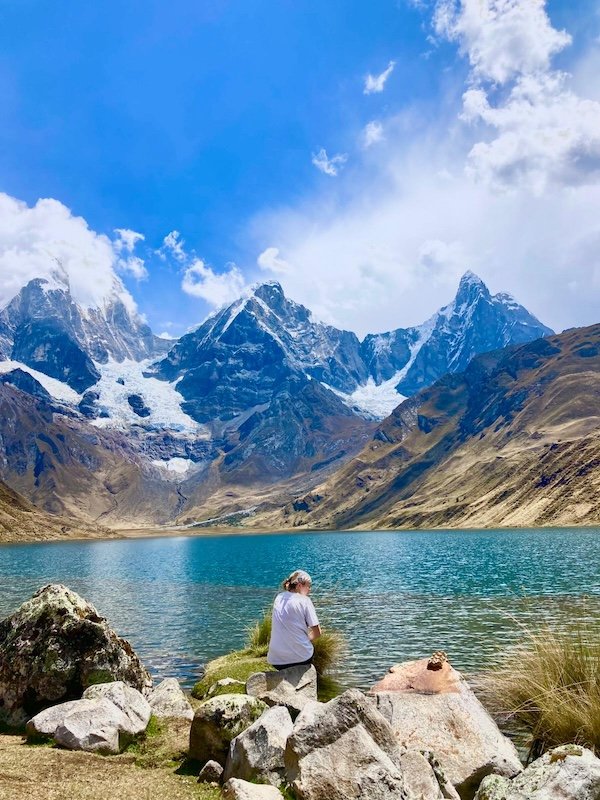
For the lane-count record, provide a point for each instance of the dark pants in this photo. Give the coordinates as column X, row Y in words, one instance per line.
column 297, row 664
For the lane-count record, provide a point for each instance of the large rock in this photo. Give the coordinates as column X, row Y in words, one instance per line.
column 236, row 789
column 568, row 772
column 94, row 725
column 293, row 687
column 168, row 700
column 132, row 703
column 423, row 778
column 431, row 707
column 55, row 646
column 211, row 772
column 258, row 753
column 218, row 721
column 344, row 749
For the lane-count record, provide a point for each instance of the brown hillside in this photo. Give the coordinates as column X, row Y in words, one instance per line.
column 512, row 441
column 22, row 521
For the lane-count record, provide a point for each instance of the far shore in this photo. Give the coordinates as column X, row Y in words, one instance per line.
column 172, row 532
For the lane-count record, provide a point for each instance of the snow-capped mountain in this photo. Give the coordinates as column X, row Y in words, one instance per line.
column 239, row 357
column 45, row 329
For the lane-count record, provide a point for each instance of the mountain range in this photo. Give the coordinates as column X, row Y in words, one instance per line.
column 106, row 421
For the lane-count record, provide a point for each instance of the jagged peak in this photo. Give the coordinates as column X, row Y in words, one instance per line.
column 470, row 278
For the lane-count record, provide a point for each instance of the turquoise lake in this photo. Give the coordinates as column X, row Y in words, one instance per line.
column 395, row 595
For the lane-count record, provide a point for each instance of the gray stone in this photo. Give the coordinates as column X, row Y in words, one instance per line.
column 219, row 720
column 96, row 726
column 435, row 709
column 236, row 789
column 132, row 703
column 258, row 753
column 55, row 646
column 344, row 749
column 569, row 772
column 292, row 687
column 167, row 700
column 211, row 772
column 423, row 780
column 47, row 721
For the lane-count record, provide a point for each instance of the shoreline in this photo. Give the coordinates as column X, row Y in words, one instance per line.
column 123, row 534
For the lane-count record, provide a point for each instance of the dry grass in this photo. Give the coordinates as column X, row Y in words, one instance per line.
column 47, row 773
column 549, row 687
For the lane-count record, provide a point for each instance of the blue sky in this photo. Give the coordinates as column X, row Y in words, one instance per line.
column 204, row 118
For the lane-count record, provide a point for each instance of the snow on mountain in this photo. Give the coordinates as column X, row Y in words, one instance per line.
column 59, row 390
column 120, row 381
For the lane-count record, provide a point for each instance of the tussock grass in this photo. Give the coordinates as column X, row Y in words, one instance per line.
column 549, row 687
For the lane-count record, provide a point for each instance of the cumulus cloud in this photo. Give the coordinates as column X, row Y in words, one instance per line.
column 36, row 240
column 329, row 166
column 372, row 133
column 270, row 261
column 542, row 131
column 124, row 246
column 376, row 83
column 217, row 289
column 173, row 245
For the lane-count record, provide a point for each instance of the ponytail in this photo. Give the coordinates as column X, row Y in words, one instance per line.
column 298, row 577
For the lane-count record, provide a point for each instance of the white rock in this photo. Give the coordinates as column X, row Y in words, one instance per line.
column 422, row 780
column 46, row 722
column 258, row 752
column 436, row 710
column 128, row 700
column 292, row 687
column 168, row 700
column 344, row 749
column 97, row 726
column 236, row 789
column 211, row 772
column 569, row 772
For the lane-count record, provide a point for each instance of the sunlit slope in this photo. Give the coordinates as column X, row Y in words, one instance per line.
column 513, row 440
column 21, row 520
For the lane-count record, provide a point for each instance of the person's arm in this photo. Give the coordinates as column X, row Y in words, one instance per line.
column 314, row 632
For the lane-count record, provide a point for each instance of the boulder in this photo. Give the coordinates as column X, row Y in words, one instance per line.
column 96, row 726
column 168, row 700
column 219, row 720
column 211, row 772
column 569, row 772
column 44, row 724
column 55, row 646
column 132, row 703
column 258, row 753
column 292, row 687
column 344, row 749
column 236, row 789
column 422, row 779
column 430, row 706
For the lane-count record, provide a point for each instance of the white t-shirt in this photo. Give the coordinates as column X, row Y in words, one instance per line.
column 293, row 615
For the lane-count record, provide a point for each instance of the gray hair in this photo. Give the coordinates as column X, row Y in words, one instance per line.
column 299, row 576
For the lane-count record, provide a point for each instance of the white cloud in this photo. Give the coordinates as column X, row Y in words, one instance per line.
column 376, row 83
column 36, row 241
column 124, row 245
column 167, row 335
column 501, row 38
column 217, row 289
column 127, row 239
column 372, row 133
column 330, row 166
column 173, row 244
column 269, row 261
column 541, row 131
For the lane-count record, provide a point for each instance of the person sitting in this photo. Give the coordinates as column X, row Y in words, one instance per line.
column 295, row 624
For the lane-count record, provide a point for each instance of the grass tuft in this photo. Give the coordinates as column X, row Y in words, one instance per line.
column 549, row 687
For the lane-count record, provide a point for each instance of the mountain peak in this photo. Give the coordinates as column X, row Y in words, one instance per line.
column 270, row 292
column 471, row 279
column 470, row 288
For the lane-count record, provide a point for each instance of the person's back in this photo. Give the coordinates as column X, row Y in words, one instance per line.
column 294, row 624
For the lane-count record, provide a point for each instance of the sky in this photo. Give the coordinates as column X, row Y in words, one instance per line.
column 364, row 154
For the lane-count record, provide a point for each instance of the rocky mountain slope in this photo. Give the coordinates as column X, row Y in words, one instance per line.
column 20, row 520
column 513, row 440
column 99, row 421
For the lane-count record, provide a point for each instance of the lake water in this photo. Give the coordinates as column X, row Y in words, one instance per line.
column 395, row 595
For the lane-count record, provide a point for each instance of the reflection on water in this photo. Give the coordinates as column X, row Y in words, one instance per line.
column 182, row 601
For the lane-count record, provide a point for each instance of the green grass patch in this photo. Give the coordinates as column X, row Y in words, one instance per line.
column 548, row 688
column 238, row 665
